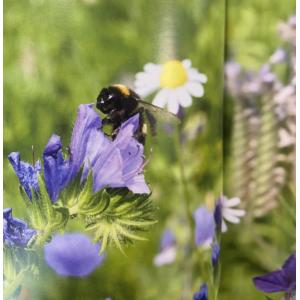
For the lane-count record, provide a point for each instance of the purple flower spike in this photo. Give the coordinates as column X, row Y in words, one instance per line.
column 15, row 231
column 215, row 253
column 218, row 215
column 73, row 254
column 55, row 167
column 283, row 280
column 205, row 227
column 202, row 294
column 27, row 174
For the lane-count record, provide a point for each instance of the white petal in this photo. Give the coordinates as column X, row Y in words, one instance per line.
column 231, row 202
column 224, row 226
column 150, row 67
column 187, row 63
column 173, row 105
column 235, row 212
column 229, row 217
column 195, row 89
column 194, row 75
column 146, row 90
column 184, row 97
column 161, row 98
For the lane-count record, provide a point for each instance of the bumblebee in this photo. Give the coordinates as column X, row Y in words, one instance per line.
column 120, row 103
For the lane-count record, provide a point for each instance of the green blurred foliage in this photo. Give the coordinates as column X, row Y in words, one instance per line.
column 60, row 53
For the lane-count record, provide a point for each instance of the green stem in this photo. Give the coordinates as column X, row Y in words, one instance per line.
column 189, row 263
column 184, row 184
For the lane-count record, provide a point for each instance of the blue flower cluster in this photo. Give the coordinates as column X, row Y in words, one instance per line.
column 114, row 163
column 15, row 231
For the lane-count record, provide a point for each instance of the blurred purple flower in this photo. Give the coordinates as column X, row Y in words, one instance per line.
column 167, row 249
column 215, row 253
column 202, row 294
column 73, row 254
column 278, row 56
column 15, row 231
column 114, row 163
column 218, row 215
column 205, row 227
column 283, row 280
column 27, row 174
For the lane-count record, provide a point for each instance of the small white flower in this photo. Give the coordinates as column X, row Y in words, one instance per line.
column 176, row 81
column 229, row 213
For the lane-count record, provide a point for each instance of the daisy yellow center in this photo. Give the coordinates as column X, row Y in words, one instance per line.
column 173, row 74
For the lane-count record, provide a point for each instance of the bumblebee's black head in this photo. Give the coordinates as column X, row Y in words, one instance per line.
column 108, row 99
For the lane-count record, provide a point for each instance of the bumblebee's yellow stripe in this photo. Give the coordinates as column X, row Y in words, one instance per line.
column 123, row 89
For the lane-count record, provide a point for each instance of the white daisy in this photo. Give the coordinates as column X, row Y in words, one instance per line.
column 176, row 81
column 229, row 213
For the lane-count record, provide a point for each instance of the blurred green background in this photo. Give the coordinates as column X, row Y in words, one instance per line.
column 60, row 53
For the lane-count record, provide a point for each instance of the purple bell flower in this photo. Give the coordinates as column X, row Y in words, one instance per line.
column 15, row 231
column 282, row 280
column 132, row 153
column 73, row 254
column 56, row 169
column 205, row 227
column 27, row 174
column 202, row 294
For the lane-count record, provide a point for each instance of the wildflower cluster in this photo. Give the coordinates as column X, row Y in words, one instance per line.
column 99, row 181
column 264, row 124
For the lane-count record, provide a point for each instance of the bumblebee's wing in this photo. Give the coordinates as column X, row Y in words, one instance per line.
column 159, row 113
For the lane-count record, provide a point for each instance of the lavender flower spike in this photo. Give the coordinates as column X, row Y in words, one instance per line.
column 73, row 254
column 27, row 174
column 15, row 231
column 205, row 227
column 56, row 169
column 202, row 294
column 282, row 280
column 215, row 253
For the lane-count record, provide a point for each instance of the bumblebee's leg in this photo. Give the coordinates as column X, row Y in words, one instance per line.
column 152, row 122
column 141, row 132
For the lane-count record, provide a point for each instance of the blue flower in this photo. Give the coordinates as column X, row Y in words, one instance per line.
column 167, row 239
column 282, row 280
column 56, row 169
column 132, row 154
column 167, row 251
column 59, row 171
column 15, row 231
column 27, row 174
column 215, row 253
column 205, row 227
column 114, row 163
column 73, row 254
column 202, row 294
column 218, row 215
